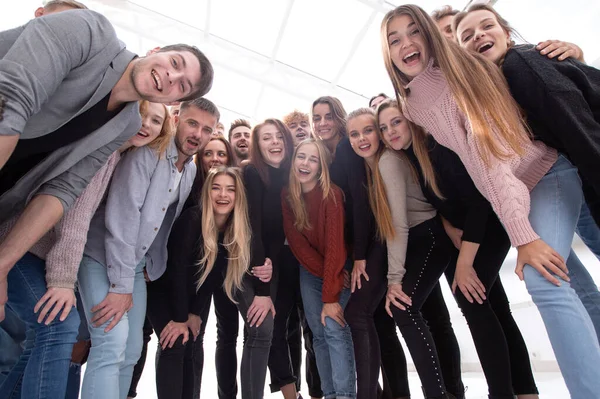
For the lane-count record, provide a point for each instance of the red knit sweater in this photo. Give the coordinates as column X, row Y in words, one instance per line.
column 321, row 250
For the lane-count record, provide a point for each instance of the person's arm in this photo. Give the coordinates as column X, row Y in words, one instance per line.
column 299, row 245
column 558, row 96
column 255, row 194
column 560, row 49
column 37, row 62
column 184, row 241
column 395, row 174
column 335, row 253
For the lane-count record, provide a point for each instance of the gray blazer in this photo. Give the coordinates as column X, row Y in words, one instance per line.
column 136, row 218
column 51, row 70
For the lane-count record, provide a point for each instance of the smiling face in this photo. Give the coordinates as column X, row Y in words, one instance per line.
column 394, row 128
column 307, row 166
column 300, row 130
column 166, row 77
column 479, row 31
column 241, row 141
column 214, row 154
column 271, row 145
column 152, row 123
column 362, row 132
column 324, row 124
column 408, row 50
column 194, row 127
column 222, row 195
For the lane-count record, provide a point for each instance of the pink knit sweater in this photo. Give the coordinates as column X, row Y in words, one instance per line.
column 505, row 184
column 62, row 246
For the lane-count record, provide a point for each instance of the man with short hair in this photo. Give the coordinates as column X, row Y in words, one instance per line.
column 240, row 137
column 53, row 6
column 71, row 91
column 219, row 131
column 377, row 99
column 299, row 126
column 443, row 18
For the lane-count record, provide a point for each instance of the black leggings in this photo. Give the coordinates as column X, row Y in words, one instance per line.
column 497, row 338
column 360, row 316
column 427, row 257
column 393, row 360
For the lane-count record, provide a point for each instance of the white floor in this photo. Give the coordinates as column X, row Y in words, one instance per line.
column 549, row 380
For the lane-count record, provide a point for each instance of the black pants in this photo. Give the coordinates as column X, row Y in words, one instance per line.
column 178, row 369
column 491, row 323
column 228, row 325
column 138, row 369
column 393, row 360
column 428, row 255
column 360, row 316
column 285, row 355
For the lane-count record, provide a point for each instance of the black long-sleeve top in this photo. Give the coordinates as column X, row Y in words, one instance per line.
column 183, row 272
column 266, row 219
column 561, row 100
column 463, row 205
column 348, row 173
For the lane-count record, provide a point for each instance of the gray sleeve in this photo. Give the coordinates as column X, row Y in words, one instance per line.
column 70, row 184
column 41, row 57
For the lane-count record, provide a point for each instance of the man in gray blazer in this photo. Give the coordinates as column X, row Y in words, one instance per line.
column 71, row 90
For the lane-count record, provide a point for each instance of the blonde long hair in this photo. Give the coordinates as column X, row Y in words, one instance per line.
column 237, row 233
column 294, row 197
column 477, row 85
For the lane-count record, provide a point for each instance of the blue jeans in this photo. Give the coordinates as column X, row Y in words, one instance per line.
column 588, row 230
column 12, row 336
column 332, row 343
column 555, row 206
column 586, row 288
column 42, row 369
column 114, row 354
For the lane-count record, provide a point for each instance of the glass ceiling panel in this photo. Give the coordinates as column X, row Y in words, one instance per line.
column 252, row 24
column 234, row 91
column 319, row 35
column 194, row 15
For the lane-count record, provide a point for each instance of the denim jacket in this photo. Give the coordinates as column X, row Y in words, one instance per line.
column 135, row 219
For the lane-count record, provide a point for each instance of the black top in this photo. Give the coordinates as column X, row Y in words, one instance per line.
column 348, row 173
column 266, row 219
column 181, row 277
column 28, row 153
column 463, row 205
column 561, row 100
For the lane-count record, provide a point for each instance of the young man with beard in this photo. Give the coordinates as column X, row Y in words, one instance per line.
column 127, row 244
column 71, row 91
column 299, row 125
column 240, row 135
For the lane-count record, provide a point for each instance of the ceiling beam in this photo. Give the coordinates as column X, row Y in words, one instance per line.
column 286, row 18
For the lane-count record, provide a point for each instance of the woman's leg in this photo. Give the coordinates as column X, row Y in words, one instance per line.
column 294, row 340
column 228, row 321
column 193, row 373
column 312, row 372
column 42, row 369
column 359, row 315
column 427, row 257
column 139, row 366
column 555, row 206
column 520, row 364
column 586, row 289
column 256, row 348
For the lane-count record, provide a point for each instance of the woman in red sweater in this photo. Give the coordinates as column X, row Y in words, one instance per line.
column 313, row 220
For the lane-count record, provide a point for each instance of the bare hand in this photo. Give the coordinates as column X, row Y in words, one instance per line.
column 465, row 278
column 335, row 312
column 3, row 293
column 542, row 258
column 194, row 323
column 171, row 332
column 264, row 272
column 112, row 307
column 359, row 269
column 563, row 50
column 394, row 294
column 453, row 233
column 258, row 311
column 56, row 299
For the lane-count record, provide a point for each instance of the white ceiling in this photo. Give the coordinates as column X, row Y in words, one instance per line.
column 272, row 56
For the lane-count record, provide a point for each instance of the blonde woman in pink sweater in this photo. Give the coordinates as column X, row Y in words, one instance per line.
column 41, row 284
column 464, row 102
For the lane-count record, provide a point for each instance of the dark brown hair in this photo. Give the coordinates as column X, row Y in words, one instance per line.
column 256, row 158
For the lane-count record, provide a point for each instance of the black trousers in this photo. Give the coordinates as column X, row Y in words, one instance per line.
column 427, row 257
column 285, row 355
column 359, row 314
column 228, row 324
column 498, row 340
